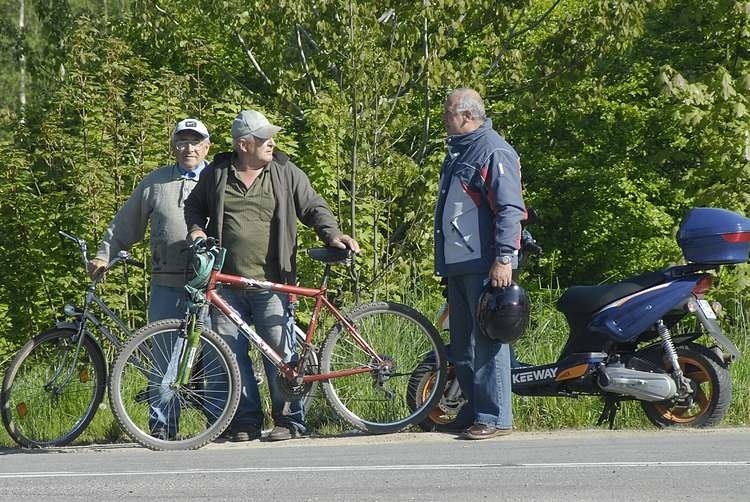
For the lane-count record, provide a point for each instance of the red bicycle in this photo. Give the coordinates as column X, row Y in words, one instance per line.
column 365, row 362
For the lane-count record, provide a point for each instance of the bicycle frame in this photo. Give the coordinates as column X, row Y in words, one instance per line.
column 85, row 315
column 291, row 371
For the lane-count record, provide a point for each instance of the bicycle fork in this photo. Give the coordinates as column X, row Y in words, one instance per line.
column 193, row 328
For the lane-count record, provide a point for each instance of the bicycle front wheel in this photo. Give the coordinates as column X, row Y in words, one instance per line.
column 395, row 342
column 156, row 411
column 52, row 388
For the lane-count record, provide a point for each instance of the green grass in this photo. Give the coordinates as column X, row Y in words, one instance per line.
column 541, row 345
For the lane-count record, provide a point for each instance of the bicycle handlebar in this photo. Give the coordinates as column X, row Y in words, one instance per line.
column 122, row 256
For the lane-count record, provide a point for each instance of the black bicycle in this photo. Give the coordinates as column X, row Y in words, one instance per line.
column 55, row 383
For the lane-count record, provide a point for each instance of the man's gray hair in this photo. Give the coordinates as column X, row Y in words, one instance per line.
column 468, row 100
column 236, row 141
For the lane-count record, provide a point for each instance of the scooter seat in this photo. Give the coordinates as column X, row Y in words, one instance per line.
column 589, row 299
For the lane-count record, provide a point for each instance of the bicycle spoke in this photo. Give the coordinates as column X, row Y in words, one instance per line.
column 173, row 416
column 377, row 401
column 52, row 388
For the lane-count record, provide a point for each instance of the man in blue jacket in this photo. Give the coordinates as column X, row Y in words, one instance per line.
column 477, row 236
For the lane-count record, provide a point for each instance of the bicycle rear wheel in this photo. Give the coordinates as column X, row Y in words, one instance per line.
column 377, row 401
column 52, row 388
column 159, row 414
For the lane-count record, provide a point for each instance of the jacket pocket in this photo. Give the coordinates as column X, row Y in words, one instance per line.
column 461, row 231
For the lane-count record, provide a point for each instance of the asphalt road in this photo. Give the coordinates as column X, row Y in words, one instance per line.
column 564, row 465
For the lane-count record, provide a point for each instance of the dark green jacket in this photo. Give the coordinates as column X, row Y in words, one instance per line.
column 295, row 199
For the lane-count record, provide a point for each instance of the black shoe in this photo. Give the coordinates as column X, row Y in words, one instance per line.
column 482, row 431
column 162, row 434
column 240, row 436
column 281, row 433
column 452, row 428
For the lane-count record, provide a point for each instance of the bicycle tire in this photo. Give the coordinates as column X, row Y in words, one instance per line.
column 38, row 415
column 186, row 406
column 377, row 401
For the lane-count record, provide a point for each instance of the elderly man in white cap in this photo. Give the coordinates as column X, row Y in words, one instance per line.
column 159, row 199
column 250, row 199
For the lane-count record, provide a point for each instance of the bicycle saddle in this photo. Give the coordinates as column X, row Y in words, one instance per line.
column 330, row 255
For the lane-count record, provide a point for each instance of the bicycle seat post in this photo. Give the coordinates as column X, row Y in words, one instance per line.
column 326, row 275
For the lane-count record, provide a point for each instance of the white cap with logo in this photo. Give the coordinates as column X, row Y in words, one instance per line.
column 191, row 125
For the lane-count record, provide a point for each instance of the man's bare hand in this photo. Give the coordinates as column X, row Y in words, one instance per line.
column 344, row 241
column 95, row 267
column 501, row 275
column 197, row 234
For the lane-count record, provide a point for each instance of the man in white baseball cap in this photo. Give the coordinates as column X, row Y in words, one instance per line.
column 159, row 199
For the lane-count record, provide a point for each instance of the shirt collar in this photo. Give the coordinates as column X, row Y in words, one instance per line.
column 194, row 174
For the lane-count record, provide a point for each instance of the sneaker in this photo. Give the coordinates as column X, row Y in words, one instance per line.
column 281, row 433
column 483, row 431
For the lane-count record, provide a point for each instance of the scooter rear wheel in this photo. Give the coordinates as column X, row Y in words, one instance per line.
column 712, row 391
column 421, row 384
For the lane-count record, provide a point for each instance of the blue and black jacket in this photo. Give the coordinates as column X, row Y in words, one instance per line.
column 480, row 206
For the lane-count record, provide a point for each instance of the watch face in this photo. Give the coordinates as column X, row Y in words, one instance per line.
column 505, row 260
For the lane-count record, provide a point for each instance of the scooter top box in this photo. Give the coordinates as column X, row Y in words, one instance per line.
column 714, row 236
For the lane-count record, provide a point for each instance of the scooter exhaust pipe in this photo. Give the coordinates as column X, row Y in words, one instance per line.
column 642, row 385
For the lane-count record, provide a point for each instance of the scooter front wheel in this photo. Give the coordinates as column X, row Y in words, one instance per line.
column 711, row 386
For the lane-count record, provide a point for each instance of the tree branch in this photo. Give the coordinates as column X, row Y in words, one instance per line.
column 304, row 61
column 513, row 35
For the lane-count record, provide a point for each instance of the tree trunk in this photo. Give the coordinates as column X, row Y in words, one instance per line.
column 355, row 134
column 22, row 61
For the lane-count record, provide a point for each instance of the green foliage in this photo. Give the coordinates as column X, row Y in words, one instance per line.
column 626, row 114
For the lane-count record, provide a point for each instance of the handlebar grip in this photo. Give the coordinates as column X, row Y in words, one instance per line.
column 533, row 247
column 68, row 236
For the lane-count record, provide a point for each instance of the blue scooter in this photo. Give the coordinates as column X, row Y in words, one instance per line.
column 620, row 345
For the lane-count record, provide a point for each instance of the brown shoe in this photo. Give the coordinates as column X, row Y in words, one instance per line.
column 482, row 431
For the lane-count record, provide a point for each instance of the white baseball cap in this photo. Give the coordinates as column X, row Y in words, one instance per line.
column 191, row 125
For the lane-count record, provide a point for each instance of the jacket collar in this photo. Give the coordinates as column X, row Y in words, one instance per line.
column 460, row 141
column 222, row 160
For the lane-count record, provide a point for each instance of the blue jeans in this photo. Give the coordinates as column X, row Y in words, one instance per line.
column 269, row 312
column 482, row 365
column 165, row 303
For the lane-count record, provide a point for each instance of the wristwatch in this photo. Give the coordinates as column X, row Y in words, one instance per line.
column 504, row 259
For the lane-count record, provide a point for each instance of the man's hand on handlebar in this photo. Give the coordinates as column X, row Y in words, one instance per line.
column 96, row 267
column 196, row 235
column 344, row 241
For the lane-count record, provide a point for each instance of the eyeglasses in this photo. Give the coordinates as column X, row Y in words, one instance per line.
column 183, row 144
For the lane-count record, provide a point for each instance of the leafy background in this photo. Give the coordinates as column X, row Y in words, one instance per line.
column 626, row 114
